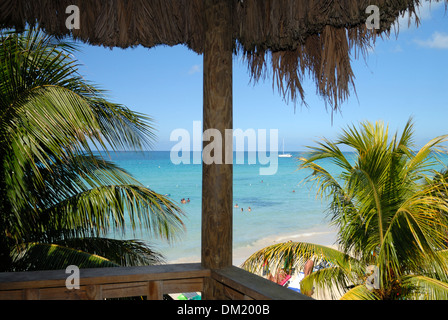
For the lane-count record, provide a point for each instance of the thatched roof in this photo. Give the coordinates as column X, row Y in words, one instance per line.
column 313, row 38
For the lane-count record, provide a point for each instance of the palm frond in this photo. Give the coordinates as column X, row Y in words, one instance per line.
column 360, row 292
column 333, row 280
column 125, row 253
column 42, row 256
column 121, row 128
column 422, row 161
column 425, row 288
column 52, row 186
column 390, row 207
column 53, row 121
column 113, row 207
column 290, row 255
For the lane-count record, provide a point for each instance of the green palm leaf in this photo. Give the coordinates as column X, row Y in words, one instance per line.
column 390, row 208
column 360, row 293
column 40, row 256
column 121, row 252
column 426, row 288
column 53, row 187
column 107, row 207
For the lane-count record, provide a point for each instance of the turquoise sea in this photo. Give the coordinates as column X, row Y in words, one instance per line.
column 281, row 204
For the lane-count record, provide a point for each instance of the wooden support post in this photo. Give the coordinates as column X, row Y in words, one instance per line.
column 217, row 179
column 155, row 290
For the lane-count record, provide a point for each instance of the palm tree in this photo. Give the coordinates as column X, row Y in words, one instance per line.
column 389, row 206
column 58, row 198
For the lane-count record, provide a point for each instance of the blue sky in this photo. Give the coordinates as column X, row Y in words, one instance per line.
column 402, row 76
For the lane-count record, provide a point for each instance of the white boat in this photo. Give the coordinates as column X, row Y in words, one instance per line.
column 284, row 155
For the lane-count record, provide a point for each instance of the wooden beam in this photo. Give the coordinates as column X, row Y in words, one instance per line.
column 150, row 281
column 241, row 284
column 104, row 283
column 101, row 276
column 217, row 178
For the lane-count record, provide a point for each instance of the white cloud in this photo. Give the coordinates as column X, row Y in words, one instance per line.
column 195, row 69
column 438, row 41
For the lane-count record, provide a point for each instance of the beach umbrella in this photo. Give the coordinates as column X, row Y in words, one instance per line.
column 283, row 39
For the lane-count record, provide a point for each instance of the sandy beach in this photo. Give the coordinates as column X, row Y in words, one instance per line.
column 323, row 235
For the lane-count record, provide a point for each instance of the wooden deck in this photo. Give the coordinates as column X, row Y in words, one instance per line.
column 151, row 282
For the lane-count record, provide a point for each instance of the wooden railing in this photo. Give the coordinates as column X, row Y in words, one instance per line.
column 151, row 282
